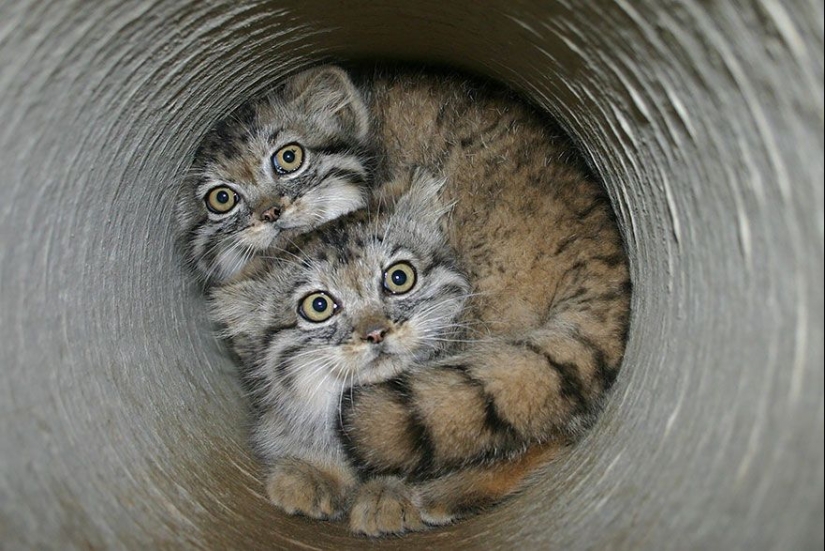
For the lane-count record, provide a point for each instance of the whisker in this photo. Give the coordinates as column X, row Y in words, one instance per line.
column 234, row 246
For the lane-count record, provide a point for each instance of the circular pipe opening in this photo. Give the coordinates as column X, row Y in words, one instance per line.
column 123, row 426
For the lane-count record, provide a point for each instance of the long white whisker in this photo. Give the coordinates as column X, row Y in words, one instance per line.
column 234, row 246
column 341, row 398
column 329, row 367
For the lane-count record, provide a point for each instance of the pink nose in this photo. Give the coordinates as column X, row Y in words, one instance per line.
column 271, row 214
column 376, row 336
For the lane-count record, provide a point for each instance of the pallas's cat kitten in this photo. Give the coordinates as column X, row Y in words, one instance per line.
column 277, row 167
column 360, row 301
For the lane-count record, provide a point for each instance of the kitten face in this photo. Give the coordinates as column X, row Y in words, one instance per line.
column 275, row 169
column 367, row 313
column 360, row 302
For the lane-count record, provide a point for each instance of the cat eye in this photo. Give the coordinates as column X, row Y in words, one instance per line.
column 317, row 307
column 288, row 159
column 399, row 278
column 221, row 199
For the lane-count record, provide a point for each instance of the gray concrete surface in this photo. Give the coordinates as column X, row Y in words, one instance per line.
column 120, row 424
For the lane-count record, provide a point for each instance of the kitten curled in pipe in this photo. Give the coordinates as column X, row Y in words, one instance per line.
column 277, row 167
column 360, row 301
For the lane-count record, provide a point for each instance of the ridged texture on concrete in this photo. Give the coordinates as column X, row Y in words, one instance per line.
column 120, row 424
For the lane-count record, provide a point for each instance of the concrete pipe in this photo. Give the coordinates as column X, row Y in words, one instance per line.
column 122, row 425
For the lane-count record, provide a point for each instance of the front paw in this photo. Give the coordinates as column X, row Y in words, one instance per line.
column 298, row 487
column 384, row 505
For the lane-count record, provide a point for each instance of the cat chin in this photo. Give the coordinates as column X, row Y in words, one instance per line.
column 234, row 260
column 231, row 262
column 380, row 368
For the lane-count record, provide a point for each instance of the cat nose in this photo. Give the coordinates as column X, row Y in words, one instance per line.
column 372, row 328
column 376, row 335
column 271, row 214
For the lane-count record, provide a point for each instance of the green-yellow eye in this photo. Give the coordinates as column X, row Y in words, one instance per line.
column 288, row 159
column 221, row 199
column 399, row 278
column 317, row 307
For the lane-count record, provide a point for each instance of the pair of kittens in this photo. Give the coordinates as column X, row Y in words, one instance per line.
column 427, row 291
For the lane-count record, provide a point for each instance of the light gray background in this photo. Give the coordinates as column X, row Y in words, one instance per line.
column 121, row 426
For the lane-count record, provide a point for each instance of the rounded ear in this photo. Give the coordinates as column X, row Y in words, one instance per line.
column 422, row 201
column 328, row 90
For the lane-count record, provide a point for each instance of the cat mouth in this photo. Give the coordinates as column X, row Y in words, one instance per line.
column 378, row 355
column 379, row 359
column 380, row 367
column 383, row 358
column 398, row 349
column 262, row 237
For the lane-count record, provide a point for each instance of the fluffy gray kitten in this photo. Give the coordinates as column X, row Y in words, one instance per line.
column 360, row 301
column 278, row 167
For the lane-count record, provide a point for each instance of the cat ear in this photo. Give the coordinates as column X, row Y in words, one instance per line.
column 422, row 202
column 329, row 91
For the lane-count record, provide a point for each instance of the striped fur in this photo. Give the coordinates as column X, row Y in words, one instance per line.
column 299, row 370
column 550, row 313
column 318, row 110
column 544, row 330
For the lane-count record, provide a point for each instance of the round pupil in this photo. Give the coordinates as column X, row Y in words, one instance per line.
column 289, row 156
column 319, row 304
column 398, row 277
column 222, row 197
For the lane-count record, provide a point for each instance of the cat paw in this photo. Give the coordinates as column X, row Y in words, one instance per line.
column 385, row 505
column 300, row 488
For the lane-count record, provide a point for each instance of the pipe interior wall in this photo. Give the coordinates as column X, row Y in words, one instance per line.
column 121, row 425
